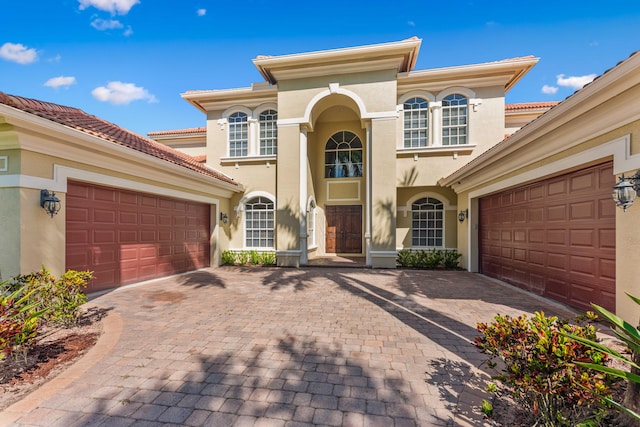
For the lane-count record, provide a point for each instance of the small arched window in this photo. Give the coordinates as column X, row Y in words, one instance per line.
column 343, row 156
column 259, row 223
column 454, row 119
column 416, row 123
column 427, row 223
column 238, row 134
column 268, row 121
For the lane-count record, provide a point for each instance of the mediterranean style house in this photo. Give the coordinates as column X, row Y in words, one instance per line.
column 339, row 152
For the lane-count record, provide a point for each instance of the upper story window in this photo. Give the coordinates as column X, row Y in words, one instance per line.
column 416, row 123
column 343, row 156
column 427, row 222
column 238, row 134
column 259, row 223
column 454, row 119
column 268, row 132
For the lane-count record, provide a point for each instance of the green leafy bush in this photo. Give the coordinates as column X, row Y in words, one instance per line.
column 429, row 259
column 539, row 371
column 58, row 298
column 251, row 257
column 630, row 336
column 18, row 322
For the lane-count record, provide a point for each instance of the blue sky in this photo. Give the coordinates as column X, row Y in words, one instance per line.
column 128, row 61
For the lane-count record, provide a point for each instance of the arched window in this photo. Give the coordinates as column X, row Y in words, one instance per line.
column 343, row 156
column 416, row 123
column 454, row 119
column 268, row 132
column 259, row 223
column 427, row 222
column 238, row 134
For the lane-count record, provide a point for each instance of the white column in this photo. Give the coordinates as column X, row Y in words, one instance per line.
column 303, row 195
column 253, row 148
column 436, row 123
column 367, row 221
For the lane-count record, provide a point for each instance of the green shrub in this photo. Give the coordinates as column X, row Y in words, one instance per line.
column 539, row 369
column 58, row 298
column 18, row 321
column 451, row 259
column 251, row 257
column 429, row 259
column 228, row 257
column 405, row 257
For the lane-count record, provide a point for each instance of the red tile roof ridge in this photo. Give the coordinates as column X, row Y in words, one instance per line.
column 530, row 105
column 178, row 131
column 77, row 119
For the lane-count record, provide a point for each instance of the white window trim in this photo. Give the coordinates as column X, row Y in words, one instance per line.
column 241, row 207
column 444, row 222
column 406, row 209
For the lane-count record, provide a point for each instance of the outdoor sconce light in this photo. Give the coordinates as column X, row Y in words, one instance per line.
column 224, row 217
column 462, row 215
column 626, row 191
column 49, row 202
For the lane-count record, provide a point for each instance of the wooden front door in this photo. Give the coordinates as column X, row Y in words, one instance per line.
column 344, row 229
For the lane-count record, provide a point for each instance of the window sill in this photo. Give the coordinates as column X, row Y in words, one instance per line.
column 440, row 149
column 248, row 159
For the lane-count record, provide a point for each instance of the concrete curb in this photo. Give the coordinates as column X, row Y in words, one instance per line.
column 112, row 328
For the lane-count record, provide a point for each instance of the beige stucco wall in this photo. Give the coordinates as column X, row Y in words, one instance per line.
column 288, row 184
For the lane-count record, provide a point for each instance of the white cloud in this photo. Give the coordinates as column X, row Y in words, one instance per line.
column 119, row 93
column 411, row 23
column 16, row 52
column 549, row 90
column 56, row 58
column 575, row 82
column 128, row 31
column 202, row 12
column 103, row 24
column 121, row 7
column 61, row 81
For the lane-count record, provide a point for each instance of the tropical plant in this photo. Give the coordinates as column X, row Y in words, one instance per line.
column 630, row 336
column 539, row 370
column 18, row 321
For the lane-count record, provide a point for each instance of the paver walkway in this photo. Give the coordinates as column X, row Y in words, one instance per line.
column 285, row 347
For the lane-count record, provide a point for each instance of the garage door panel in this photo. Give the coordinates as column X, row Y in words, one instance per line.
column 582, row 210
column 125, row 237
column 569, row 250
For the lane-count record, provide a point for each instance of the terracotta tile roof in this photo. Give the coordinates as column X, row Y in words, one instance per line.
column 187, row 131
column 201, row 159
column 77, row 119
column 530, row 106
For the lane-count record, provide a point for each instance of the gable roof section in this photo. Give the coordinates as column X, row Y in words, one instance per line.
column 530, row 106
column 401, row 55
column 79, row 120
column 199, row 131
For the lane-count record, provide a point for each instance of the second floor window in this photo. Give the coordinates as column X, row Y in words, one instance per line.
column 268, row 132
column 238, row 135
column 454, row 120
column 416, row 123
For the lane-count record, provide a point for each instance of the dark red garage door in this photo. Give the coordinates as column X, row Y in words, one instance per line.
column 554, row 237
column 126, row 237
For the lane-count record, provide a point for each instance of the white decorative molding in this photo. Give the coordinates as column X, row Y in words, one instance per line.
column 384, row 254
column 619, row 148
column 4, row 163
column 221, row 123
column 61, row 175
column 447, row 205
column 333, row 87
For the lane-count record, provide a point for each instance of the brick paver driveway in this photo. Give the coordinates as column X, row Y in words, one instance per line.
column 287, row 347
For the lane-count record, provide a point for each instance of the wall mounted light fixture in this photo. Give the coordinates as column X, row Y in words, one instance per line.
column 462, row 215
column 49, row 202
column 224, row 217
column 625, row 192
